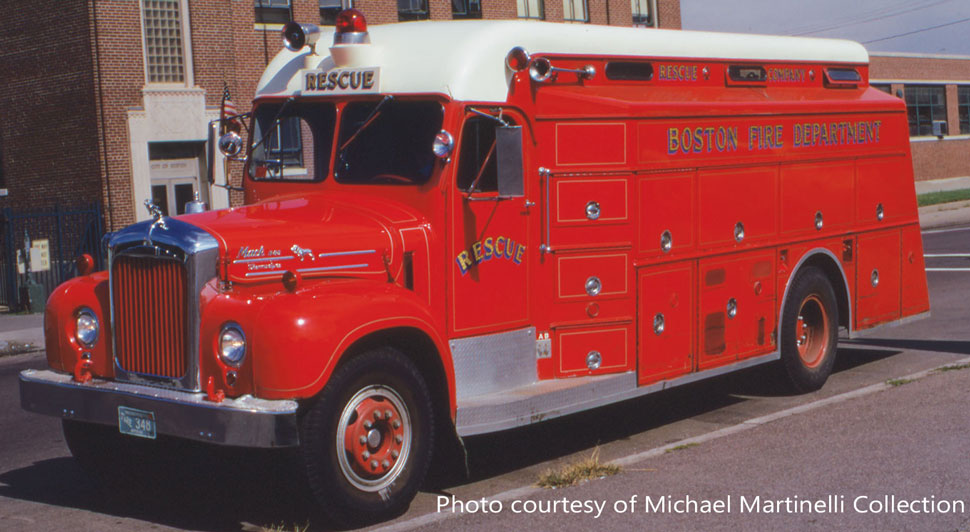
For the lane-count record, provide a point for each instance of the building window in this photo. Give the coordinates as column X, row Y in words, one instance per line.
column 963, row 100
column 328, row 12
column 574, row 11
column 164, row 55
column 412, row 10
column 273, row 11
column 924, row 104
column 643, row 15
column 466, row 8
column 534, row 9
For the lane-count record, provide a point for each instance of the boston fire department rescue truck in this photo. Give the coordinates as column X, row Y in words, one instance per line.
column 472, row 226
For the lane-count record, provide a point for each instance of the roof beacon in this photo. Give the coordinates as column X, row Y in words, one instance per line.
column 351, row 28
column 351, row 42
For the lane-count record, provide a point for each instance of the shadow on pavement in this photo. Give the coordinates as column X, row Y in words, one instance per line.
column 214, row 490
column 960, row 347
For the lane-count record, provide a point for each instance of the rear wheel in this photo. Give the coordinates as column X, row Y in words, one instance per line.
column 809, row 331
column 367, row 440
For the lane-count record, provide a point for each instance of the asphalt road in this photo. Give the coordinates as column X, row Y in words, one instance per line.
column 737, row 436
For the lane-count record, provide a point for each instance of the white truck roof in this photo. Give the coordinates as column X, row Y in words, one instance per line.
column 465, row 60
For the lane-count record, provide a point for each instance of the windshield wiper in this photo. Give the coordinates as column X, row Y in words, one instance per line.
column 367, row 122
column 275, row 122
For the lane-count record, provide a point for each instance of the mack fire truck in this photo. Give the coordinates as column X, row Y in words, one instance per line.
column 465, row 227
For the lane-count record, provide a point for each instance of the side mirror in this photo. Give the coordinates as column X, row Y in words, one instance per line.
column 508, row 152
column 231, row 144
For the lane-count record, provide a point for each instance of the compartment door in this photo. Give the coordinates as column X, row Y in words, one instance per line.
column 666, row 306
column 877, row 279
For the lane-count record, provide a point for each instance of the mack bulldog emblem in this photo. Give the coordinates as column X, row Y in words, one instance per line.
column 302, row 253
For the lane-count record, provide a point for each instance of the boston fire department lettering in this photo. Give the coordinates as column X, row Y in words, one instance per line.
column 703, row 139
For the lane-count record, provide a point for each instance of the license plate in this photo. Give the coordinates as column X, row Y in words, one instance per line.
column 134, row 422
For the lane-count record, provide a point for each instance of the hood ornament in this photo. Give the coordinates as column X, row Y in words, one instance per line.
column 159, row 217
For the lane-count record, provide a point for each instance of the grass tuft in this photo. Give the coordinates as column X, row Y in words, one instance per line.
column 899, row 382
column 283, row 528
column 681, row 447
column 943, row 196
column 582, row 471
column 953, row 367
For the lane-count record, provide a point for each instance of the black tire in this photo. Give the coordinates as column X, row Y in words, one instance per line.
column 809, row 331
column 347, row 431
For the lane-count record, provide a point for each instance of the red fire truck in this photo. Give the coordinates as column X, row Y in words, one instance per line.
column 481, row 225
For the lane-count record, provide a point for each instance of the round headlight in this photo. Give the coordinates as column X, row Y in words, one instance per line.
column 87, row 327
column 232, row 344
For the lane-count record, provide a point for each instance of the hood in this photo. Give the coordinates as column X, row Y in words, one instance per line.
column 312, row 235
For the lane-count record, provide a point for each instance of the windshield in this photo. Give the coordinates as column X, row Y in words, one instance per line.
column 292, row 141
column 387, row 141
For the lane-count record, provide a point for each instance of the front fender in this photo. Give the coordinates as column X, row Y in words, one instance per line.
column 302, row 335
column 63, row 349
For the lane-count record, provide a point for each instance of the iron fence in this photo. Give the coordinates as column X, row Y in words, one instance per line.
column 70, row 232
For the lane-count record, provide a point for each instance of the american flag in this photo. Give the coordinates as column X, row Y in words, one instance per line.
column 228, row 108
column 227, row 118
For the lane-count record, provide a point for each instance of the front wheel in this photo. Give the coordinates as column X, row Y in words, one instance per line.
column 809, row 331
column 367, row 440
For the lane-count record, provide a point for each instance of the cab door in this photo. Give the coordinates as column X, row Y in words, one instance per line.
column 489, row 234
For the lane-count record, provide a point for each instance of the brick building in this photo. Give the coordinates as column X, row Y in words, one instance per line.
column 936, row 89
column 108, row 100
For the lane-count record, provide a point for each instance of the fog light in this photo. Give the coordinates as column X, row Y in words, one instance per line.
column 87, row 327
column 232, row 344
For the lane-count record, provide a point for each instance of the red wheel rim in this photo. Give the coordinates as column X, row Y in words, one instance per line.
column 373, row 438
column 812, row 331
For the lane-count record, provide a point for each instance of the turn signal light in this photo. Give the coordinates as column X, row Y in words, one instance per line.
column 85, row 264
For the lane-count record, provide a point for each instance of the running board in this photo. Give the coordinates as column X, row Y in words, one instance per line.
column 549, row 399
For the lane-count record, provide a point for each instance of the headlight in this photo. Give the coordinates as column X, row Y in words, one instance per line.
column 87, row 327
column 232, row 344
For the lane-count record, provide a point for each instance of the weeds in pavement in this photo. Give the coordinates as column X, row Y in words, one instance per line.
column 581, row 471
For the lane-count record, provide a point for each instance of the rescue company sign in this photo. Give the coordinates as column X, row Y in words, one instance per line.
column 342, row 81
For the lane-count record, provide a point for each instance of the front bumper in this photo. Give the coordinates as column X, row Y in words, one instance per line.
column 245, row 421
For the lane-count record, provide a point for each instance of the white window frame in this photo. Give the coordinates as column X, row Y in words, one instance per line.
column 188, row 74
column 651, row 6
column 271, row 26
column 522, row 8
column 569, row 11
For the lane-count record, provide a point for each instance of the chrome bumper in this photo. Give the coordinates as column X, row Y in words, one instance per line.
column 244, row 421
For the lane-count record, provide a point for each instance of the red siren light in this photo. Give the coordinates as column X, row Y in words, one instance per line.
column 351, row 21
column 517, row 59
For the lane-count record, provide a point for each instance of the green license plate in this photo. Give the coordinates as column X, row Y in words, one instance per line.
column 134, row 422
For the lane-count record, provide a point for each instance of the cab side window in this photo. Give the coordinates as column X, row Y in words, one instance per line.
column 476, row 158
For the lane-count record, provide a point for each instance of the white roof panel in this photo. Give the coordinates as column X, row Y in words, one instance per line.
column 465, row 60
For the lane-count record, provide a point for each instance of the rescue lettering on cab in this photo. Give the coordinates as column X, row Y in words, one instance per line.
column 490, row 248
column 342, row 80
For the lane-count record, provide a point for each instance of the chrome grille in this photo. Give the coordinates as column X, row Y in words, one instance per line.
column 150, row 315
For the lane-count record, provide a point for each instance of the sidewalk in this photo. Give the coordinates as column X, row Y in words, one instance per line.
column 21, row 333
